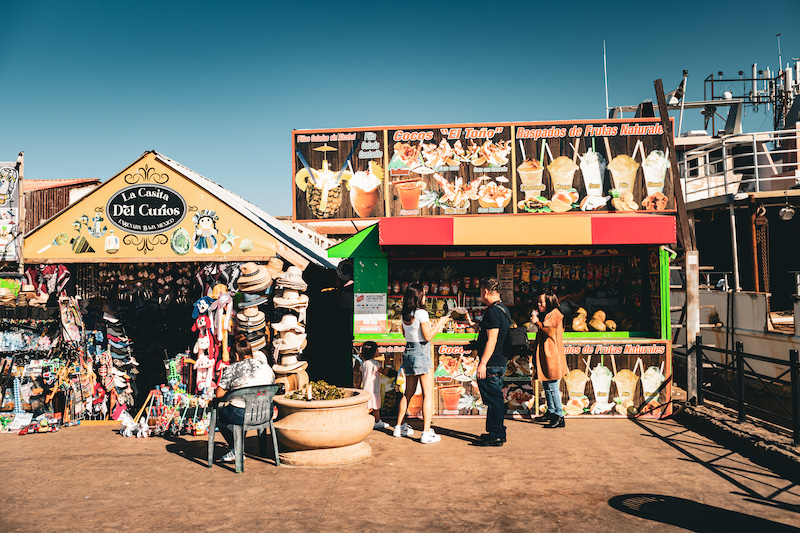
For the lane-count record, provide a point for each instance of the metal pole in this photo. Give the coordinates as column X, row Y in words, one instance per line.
column 740, row 380
column 698, row 349
column 737, row 284
column 793, row 370
column 683, row 101
column 692, row 319
column 605, row 76
column 755, row 164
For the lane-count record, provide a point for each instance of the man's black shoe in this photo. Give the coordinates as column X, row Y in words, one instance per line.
column 489, row 442
column 557, row 422
column 486, row 436
column 547, row 417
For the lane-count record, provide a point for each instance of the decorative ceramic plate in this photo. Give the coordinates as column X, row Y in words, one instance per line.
column 180, row 242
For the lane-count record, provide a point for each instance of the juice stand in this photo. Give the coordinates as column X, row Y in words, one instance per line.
column 583, row 208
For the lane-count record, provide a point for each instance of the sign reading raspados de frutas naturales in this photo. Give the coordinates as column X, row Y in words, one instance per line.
column 146, row 209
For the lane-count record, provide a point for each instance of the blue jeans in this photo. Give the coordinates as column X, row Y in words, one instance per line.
column 229, row 415
column 492, row 395
column 552, row 396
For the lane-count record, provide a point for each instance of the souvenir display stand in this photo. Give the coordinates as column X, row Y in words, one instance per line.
column 585, row 208
column 163, row 259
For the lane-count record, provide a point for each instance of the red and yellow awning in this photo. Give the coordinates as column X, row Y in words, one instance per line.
column 515, row 230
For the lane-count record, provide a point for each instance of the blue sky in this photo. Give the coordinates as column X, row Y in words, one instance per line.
column 87, row 87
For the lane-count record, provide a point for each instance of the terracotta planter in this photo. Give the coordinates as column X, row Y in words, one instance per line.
column 322, row 424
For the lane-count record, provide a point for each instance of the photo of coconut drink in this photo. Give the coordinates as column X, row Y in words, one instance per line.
column 323, row 186
column 365, row 189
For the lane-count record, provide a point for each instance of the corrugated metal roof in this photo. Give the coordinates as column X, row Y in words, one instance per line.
column 35, row 185
column 289, row 236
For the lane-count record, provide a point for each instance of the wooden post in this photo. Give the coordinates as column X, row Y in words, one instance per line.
column 687, row 239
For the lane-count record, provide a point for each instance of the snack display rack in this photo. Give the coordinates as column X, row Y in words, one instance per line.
column 574, row 225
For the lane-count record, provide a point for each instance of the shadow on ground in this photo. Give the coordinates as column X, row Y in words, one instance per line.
column 691, row 515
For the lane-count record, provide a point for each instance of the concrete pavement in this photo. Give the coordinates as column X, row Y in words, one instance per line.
column 594, row 475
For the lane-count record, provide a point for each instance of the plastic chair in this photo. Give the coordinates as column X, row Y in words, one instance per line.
column 258, row 413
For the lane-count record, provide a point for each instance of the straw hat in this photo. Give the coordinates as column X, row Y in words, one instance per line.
column 251, row 323
column 292, row 279
column 258, row 343
column 252, row 300
column 289, row 363
column 289, row 340
column 290, row 298
column 253, row 278
column 275, row 267
column 289, row 322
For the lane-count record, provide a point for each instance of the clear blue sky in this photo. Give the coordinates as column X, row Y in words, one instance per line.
column 87, row 87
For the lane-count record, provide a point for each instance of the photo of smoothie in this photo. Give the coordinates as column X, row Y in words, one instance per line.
column 576, row 383
column 530, row 176
column 365, row 190
column 593, row 168
column 409, row 193
column 562, row 171
column 623, row 173
column 626, row 382
column 655, row 168
column 601, row 383
column 651, row 382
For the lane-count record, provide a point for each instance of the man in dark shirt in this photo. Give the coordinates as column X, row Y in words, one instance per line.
column 492, row 332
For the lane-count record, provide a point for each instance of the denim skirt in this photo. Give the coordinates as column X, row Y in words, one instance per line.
column 417, row 358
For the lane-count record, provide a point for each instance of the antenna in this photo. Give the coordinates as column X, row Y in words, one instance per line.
column 605, row 75
column 780, row 61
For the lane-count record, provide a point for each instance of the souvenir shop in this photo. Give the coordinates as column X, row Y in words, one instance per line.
column 165, row 265
column 585, row 209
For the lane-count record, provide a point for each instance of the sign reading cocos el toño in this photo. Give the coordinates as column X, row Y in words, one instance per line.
column 146, row 209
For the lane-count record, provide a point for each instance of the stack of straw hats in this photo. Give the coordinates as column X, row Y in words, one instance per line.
column 26, row 294
column 290, row 333
column 254, row 279
column 7, row 297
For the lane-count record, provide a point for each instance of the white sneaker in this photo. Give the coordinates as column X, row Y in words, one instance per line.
column 380, row 424
column 403, row 430
column 429, row 437
column 231, row 457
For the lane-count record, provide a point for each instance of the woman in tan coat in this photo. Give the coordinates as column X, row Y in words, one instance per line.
column 551, row 361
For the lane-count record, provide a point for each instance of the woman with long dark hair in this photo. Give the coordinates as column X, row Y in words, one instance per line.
column 551, row 362
column 417, row 361
column 244, row 371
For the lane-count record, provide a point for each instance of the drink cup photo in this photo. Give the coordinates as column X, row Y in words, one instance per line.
column 655, row 169
column 651, row 382
column 562, row 172
column 450, row 397
column 626, row 382
column 593, row 169
column 623, row 173
column 601, row 383
column 365, row 190
column 576, row 383
column 530, row 176
column 409, row 192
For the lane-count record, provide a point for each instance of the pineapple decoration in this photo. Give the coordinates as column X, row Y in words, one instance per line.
column 436, row 282
column 445, row 288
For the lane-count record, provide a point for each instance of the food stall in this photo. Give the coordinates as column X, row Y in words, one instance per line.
column 583, row 208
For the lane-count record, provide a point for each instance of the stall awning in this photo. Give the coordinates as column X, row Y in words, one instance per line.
column 157, row 210
column 525, row 230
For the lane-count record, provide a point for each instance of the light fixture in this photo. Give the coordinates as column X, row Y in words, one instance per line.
column 786, row 212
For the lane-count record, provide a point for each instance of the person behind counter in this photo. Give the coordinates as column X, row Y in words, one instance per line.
column 492, row 332
column 244, row 371
column 569, row 303
column 371, row 370
column 417, row 361
column 551, row 361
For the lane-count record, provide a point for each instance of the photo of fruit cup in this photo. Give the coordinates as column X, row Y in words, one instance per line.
column 415, row 405
column 623, row 173
column 530, row 176
column 450, row 397
column 562, row 172
column 576, row 383
column 655, row 168
column 593, row 169
column 409, row 193
column 651, row 382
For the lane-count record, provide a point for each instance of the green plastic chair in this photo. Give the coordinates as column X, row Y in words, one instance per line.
column 257, row 415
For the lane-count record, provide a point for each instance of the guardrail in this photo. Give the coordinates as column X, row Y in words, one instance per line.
column 734, row 376
column 741, row 162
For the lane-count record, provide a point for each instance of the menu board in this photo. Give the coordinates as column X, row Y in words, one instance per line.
column 10, row 234
column 606, row 166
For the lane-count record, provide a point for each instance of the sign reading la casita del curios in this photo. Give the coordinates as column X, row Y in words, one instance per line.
column 146, row 209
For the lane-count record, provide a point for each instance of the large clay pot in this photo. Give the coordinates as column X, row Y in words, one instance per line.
column 304, row 425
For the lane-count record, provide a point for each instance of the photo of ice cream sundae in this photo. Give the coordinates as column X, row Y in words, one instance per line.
column 530, row 176
column 365, row 190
